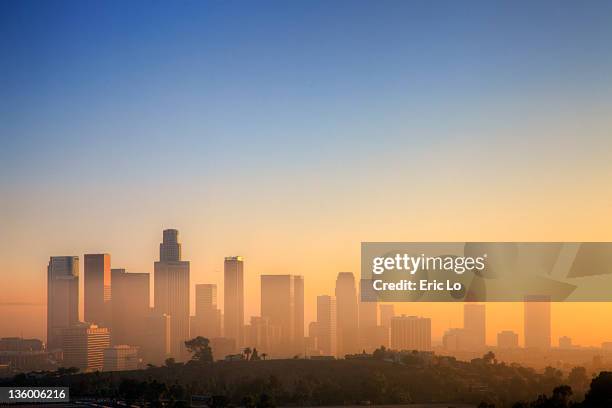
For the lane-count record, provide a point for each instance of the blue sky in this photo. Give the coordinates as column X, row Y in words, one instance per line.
column 284, row 82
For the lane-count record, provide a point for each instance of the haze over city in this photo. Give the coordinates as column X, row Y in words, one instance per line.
column 290, row 136
column 194, row 195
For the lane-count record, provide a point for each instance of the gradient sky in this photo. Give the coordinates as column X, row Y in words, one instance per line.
column 290, row 132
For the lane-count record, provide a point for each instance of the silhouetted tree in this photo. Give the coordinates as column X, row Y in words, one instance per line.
column 380, row 353
column 559, row 399
column 218, row 401
column 578, row 379
column 489, row 357
column 67, row 371
column 327, row 383
column 248, row 401
column 130, row 390
column 551, row 372
column 265, row 401
column 200, row 350
column 176, row 393
column 412, row 359
column 153, row 392
column 600, row 393
column 562, row 394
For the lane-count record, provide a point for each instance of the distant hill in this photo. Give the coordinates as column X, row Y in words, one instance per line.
column 416, row 378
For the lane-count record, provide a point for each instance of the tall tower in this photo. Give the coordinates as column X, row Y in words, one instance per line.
column 62, row 297
column 97, row 289
column 347, row 319
column 170, row 248
column 206, row 297
column 130, row 307
column 368, row 307
column 537, row 322
column 234, row 299
column 298, row 293
column 171, row 292
column 327, row 325
column 157, row 334
column 207, row 320
column 262, row 335
column 370, row 336
column 282, row 302
column 507, row 339
column 387, row 312
column 474, row 324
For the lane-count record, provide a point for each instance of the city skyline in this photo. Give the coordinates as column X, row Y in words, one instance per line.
column 361, row 313
column 296, row 134
column 176, row 253
column 128, row 332
column 300, row 204
column 585, row 331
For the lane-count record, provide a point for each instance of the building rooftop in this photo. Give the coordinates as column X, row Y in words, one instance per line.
column 234, row 258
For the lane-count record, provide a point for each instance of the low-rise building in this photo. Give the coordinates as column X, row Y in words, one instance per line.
column 121, row 358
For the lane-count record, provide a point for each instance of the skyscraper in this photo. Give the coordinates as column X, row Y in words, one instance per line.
column 233, row 283
column 298, row 285
column 62, row 297
column 456, row 339
column 157, row 333
column 170, row 248
column 311, row 345
column 171, row 291
column 207, row 320
column 84, row 345
column 206, row 297
column 474, row 324
column 347, row 319
column 507, row 339
column 411, row 333
column 565, row 342
column 130, row 305
column 282, row 302
column 537, row 322
column 262, row 335
column 369, row 334
column 386, row 313
column 326, row 328
column 97, row 289
column 368, row 307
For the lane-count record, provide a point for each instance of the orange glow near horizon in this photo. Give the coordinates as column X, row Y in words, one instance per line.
column 314, row 227
column 23, row 305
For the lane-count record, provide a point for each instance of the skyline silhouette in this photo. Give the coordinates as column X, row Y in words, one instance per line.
column 258, row 135
column 362, row 312
column 344, row 325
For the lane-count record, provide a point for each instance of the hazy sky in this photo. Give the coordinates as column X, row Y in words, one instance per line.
column 290, row 132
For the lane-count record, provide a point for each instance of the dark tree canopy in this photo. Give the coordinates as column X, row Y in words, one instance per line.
column 200, row 350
